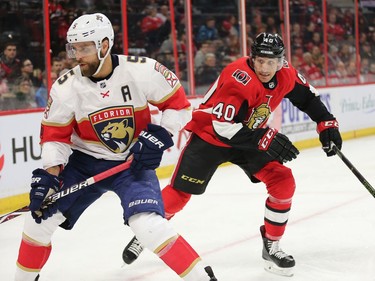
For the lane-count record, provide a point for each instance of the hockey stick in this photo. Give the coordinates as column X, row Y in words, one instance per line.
column 13, row 214
column 72, row 189
column 353, row 169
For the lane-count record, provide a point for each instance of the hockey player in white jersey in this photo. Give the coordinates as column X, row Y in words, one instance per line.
column 97, row 117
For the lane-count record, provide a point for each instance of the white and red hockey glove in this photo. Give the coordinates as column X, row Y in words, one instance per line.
column 329, row 133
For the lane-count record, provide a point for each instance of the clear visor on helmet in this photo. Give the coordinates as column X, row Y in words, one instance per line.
column 81, row 49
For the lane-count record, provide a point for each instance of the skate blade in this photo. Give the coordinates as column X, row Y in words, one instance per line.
column 273, row 268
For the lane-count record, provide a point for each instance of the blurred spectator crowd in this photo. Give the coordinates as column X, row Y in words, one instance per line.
column 216, row 40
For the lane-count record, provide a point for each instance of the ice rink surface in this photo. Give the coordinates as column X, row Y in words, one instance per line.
column 330, row 233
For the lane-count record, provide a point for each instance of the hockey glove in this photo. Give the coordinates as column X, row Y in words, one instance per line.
column 275, row 144
column 43, row 184
column 329, row 132
column 148, row 150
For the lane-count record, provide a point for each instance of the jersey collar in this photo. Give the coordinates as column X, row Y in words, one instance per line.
column 115, row 63
column 271, row 84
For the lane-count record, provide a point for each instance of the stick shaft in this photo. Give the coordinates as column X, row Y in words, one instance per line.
column 359, row 176
column 89, row 181
column 72, row 189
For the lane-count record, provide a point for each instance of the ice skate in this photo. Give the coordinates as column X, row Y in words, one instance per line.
column 210, row 273
column 132, row 251
column 276, row 260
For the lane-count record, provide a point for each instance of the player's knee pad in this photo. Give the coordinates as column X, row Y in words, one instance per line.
column 152, row 230
column 279, row 180
column 41, row 234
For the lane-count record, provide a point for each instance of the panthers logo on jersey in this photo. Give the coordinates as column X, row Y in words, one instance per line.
column 114, row 127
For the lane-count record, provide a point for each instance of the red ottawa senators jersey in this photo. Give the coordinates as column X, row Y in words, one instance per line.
column 238, row 102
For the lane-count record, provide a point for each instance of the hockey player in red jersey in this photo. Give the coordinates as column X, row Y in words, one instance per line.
column 97, row 116
column 231, row 126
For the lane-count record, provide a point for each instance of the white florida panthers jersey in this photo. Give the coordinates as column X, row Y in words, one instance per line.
column 103, row 118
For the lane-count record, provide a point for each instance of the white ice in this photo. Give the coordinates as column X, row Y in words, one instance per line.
column 330, row 233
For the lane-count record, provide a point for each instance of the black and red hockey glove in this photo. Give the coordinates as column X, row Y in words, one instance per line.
column 275, row 144
column 148, row 150
column 329, row 132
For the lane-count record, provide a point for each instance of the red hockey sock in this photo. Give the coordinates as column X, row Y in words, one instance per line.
column 32, row 257
column 276, row 217
column 174, row 200
column 280, row 186
column 179, row 256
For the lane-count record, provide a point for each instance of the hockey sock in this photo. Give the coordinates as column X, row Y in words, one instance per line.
column 174, row 200
column 32, row 257
column 276, row 217
column 280, row 186
column 180, row 257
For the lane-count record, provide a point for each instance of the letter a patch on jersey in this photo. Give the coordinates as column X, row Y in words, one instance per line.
column 114, row 126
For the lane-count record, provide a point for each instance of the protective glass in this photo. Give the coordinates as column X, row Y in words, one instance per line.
column 82, row 49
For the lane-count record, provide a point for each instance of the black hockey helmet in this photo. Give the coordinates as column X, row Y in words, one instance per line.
column 268, row 45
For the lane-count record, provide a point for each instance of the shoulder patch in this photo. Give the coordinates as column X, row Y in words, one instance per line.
column 241, row 76
column 285, row 64
column 169, row 76
column 301, row 77
column 48, row 106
